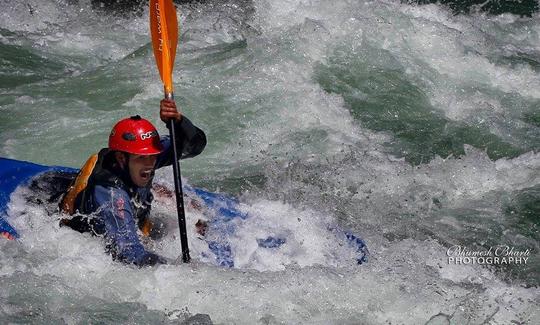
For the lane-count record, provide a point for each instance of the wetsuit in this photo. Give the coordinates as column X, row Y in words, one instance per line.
column 112, row 206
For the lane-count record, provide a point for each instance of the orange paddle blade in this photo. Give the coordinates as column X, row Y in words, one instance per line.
column 164, row 31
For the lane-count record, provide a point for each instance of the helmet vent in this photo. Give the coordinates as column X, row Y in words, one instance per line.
column 128, row 136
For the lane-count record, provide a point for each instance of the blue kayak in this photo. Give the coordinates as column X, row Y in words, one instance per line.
column 224, row 213
column 14, row 173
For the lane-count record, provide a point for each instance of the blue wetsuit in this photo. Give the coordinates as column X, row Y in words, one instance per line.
column 114, row 207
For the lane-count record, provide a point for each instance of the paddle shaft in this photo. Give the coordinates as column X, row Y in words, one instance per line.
column 164, row 33
column 178, row 189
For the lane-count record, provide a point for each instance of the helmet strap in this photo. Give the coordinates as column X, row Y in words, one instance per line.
column 122, row 168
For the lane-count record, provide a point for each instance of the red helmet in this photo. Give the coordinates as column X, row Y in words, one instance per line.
column 135, row 135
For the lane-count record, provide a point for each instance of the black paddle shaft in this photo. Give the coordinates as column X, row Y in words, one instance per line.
column 179, row 194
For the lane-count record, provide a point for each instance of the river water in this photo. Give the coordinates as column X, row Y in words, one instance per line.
column 415, row 128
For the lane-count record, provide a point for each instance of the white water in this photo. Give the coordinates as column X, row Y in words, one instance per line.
column 267, row 118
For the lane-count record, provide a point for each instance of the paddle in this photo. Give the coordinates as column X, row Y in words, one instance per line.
column 164, row 31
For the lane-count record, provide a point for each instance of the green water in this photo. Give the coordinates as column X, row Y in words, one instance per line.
column 383, row 98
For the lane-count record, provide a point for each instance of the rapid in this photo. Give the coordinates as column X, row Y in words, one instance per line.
column 415, row 128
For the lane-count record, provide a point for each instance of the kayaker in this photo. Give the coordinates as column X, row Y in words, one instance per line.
column 111, row 195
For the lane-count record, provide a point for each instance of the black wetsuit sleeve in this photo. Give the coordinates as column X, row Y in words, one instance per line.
column 190, row 141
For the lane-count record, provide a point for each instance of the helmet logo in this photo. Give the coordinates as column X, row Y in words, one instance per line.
column 149, row 134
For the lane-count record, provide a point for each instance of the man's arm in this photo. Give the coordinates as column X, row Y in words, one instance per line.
column 190, row 140
column 115, row 211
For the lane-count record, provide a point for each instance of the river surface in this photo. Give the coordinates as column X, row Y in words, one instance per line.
column 413, row 127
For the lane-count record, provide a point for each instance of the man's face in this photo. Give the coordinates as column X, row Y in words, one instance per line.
column 141, row 168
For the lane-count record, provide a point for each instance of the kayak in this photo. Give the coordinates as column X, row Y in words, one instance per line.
column 14, row 173
column 228, row 220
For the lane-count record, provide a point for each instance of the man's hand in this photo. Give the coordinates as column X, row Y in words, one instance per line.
column 7, row 235
column 201, row 227
column 168, row 111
